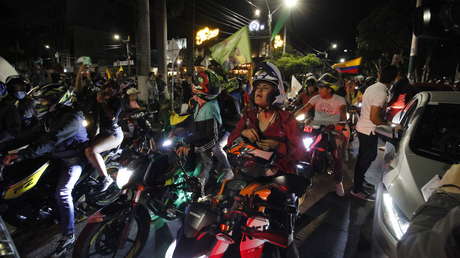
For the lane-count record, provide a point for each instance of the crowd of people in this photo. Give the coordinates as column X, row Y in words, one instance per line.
column 50, row 118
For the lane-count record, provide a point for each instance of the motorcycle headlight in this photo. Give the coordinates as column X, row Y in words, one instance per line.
column 307, row 142
column 393, row 218
column 348, row 116
column 123, row 176
column 166, row 143
column 85, row 123
column 300, row 117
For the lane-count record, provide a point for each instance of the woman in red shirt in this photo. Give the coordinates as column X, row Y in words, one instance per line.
column 266, row 125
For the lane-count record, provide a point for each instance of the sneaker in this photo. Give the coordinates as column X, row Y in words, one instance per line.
column 106, row 183
column 339, row 190
column 363, row 196
column 64, row 245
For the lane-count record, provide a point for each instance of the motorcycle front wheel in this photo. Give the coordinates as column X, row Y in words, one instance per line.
column 102, row 239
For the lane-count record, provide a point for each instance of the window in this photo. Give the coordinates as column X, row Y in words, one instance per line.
column 408, row 112
column 437, row 135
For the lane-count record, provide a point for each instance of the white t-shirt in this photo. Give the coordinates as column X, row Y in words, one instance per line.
column 376, row 95
column 327, row 111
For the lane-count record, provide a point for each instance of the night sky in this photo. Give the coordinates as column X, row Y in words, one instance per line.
column 313, row 23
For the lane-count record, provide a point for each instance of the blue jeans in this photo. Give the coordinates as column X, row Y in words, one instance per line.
column 67, row 180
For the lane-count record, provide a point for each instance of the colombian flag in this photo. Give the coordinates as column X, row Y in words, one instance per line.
column 351, row 67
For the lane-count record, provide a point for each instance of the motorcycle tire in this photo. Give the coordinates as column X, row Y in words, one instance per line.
column 92, row 231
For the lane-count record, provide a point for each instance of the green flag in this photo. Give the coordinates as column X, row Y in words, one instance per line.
column 234, row 50
column 279, row 25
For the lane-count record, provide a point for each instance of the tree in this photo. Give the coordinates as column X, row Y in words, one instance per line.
column 295, row 64
column 386, row 31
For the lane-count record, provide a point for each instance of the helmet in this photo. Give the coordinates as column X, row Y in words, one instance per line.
column 51, row 95
column 16, row 86
column 206, row 83
column 311, row 81
column 330, row 80
column 85, row 60
column 268, row 72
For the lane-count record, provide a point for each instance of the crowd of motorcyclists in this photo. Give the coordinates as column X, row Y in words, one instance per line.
column 74, row 123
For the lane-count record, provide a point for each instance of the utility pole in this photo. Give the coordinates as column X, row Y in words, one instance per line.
column 413, row 52
column 142, row 47
column 269, row 29
column 161, row 36
column 285, row 39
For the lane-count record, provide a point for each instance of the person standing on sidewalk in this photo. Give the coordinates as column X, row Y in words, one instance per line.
column 372, row 114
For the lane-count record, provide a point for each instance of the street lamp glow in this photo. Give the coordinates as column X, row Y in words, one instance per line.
column 342, row 60
column 179, row 61
column 345, row 50
column 334, row 45
column 262, row 27
column 290, row 3
column 257, row 12
column 47, row 46
column 116, row 36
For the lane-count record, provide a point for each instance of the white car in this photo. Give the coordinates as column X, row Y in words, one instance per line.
column 427, row 145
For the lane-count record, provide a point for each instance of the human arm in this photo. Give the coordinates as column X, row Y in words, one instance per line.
column 305, row 109
column 434, row 229
column 376, row 115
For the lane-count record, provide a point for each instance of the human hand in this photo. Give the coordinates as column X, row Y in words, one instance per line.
column 271, row 172
column 452, row 177
column 251, row 135
column 268, row 144
column 183, row 151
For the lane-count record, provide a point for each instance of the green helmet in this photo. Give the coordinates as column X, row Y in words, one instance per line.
column 51, row 95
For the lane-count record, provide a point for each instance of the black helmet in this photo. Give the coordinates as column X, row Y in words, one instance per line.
column 50, row 96
column 16, row 86
column 311, row 81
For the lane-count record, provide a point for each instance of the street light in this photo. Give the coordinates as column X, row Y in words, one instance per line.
column 47, row 46
column 290, row 3
column 257, row 12
column 334, row 46
column 116, row 36
column 345, row 50
column 342, row 60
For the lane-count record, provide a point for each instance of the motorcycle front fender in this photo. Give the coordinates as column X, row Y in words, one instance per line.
column 108, row 212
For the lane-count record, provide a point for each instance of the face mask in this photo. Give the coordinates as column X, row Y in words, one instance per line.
column 20, row 94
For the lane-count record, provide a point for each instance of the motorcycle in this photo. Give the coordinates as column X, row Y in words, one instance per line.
column 155, row 183
column 319, row 143
column 27, row 191
column 251, row 216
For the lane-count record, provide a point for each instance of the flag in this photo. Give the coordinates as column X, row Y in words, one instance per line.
column 296, row 86
column 234, row 50
column 108, row 74
column 351, row 66
column 120, row 70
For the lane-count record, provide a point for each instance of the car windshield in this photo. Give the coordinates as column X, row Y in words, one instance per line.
column 437, row 135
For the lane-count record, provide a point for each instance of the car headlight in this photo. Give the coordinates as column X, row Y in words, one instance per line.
column 123, row 176
column 393, row 218
column 307, row 142
column 300, row 117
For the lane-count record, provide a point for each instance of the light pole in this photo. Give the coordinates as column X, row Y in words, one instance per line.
column 289, row 4
column 128, row 54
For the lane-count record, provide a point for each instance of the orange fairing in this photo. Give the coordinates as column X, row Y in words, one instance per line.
column 236, row 150
column 250, row 189
column 263, row 194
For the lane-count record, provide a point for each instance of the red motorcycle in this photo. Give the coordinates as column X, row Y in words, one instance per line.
column 251, row 216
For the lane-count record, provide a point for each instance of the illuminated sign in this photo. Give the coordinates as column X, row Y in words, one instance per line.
column 206, row 34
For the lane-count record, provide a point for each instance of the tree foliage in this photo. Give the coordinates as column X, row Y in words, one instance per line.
column 295, row 64
column 386, row 31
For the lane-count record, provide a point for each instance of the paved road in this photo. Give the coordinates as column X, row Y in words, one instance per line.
column 330, row 227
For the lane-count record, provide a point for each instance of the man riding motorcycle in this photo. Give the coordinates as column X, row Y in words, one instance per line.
column 207, row 121
column 62, row 138
column 330, row 109
column 10, row 117
column 266, row 125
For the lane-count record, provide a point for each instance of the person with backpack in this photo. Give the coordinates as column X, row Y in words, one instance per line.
column 207, row 120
